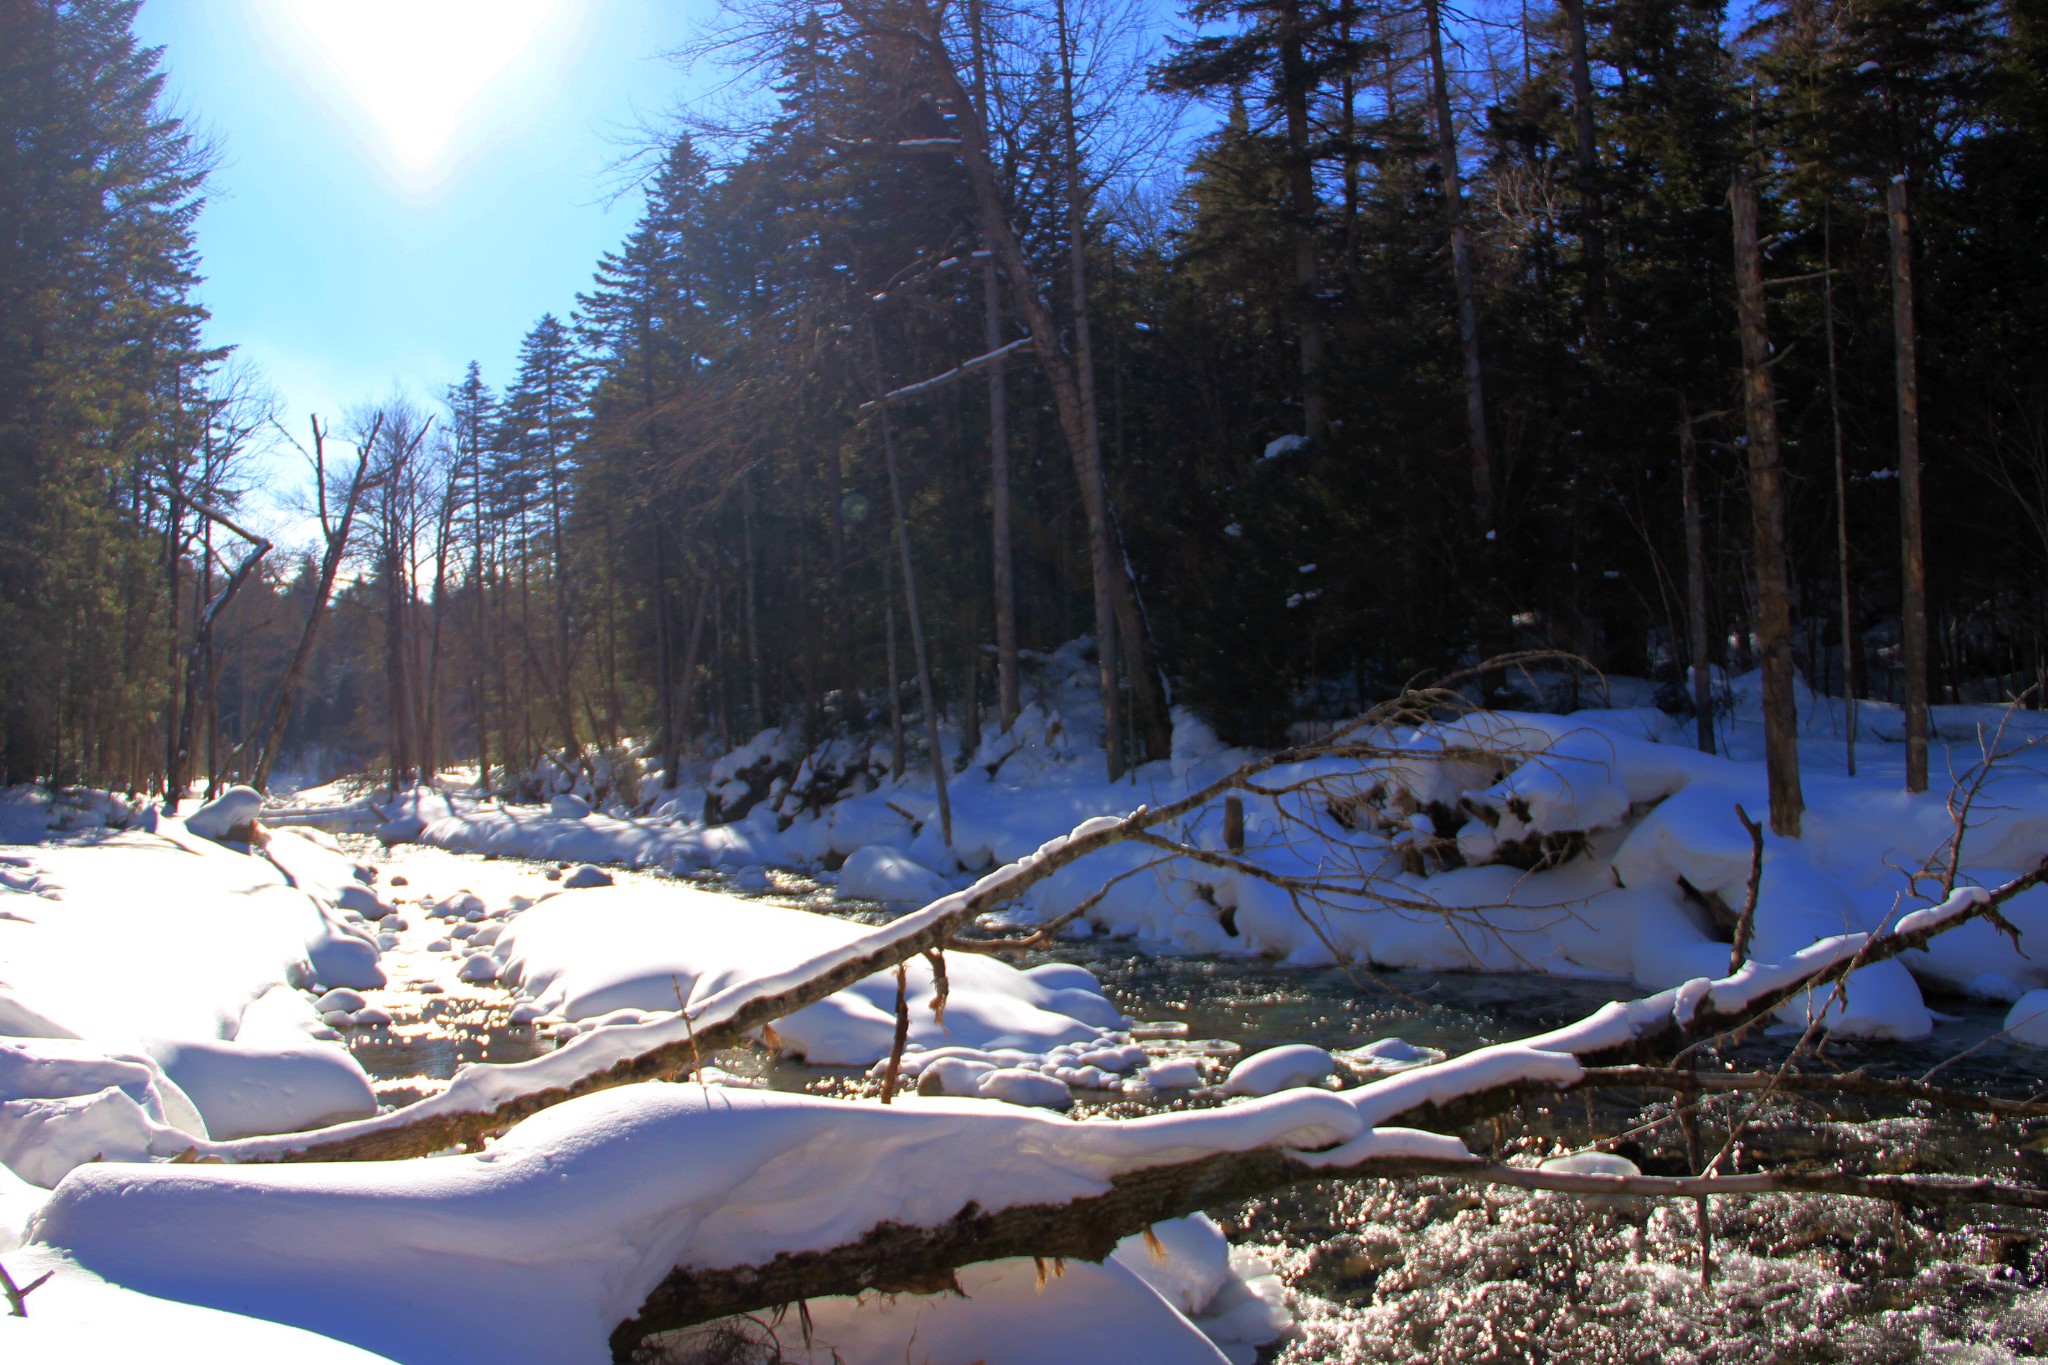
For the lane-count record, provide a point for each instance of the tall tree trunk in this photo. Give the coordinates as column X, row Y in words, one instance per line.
column 1586, row 155
column 1912, row 552
column 925, row 696
column 755, row 693
column 397, row 695
column 1104, row 563
column 1009, row 697
column 1083, row 372
column 1008, row 701
column 664, row 662
column 1848, row 604
column 1767, row 515
column 889, row 661
column 1461, row 269
column 1696, row 588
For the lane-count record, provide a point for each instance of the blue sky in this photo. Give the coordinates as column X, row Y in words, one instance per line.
column 407, row 185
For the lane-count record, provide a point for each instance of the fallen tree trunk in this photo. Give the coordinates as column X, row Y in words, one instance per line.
column 894, row 1258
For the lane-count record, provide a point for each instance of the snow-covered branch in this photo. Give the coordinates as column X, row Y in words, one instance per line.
column 939, row 381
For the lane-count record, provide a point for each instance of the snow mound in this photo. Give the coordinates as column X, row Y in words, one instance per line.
column 234, row 809
column 67, row 1102
column 2027, row 1022
column 1280, row 1068
column 881, row 873
column 583, row 954
column 1015, row 1085
column 1387, row 1055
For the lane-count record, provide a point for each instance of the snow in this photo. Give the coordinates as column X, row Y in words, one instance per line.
column 1590, row 1163
column 151, row 997
column 67, row 1102
column 233, row 809
column 559, row 1230
column 1015, row 1085
column 78, row 1316
column 880, row 873
column 1596, row 844
column 1280, row 1068
column 1388, row 1054
column 585, row 876
column 278, row 1086
column 2027, row 1022
column 584, row 954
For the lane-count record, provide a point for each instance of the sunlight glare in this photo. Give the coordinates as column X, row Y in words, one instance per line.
column 416, row 65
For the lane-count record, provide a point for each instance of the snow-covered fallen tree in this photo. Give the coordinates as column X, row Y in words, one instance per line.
column 595, row 1204
column 652, row 1207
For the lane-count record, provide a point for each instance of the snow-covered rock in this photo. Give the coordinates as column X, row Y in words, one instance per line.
column 1280, row 1068
column 584, row 876
column 568, row 807
column 2026, row 1022
column 1388, row 1055
column 881, row 873
column 231, row 815
column 1014, row 1085
column 268, row 1084
column 67, row 1102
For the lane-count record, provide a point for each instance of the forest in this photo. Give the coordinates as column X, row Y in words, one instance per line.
column 1277, row 683
column 1451, row 298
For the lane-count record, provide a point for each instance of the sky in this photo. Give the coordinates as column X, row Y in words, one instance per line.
column 407, row 185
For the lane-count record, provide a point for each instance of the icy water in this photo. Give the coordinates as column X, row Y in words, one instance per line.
column 1424, row 1271
column 1246, row 1002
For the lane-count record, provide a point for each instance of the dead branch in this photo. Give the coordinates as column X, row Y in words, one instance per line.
column 1745, row 923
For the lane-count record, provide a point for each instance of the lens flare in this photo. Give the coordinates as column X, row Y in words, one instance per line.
column 417, row 66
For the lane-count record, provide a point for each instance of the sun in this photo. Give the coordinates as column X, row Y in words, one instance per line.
column 417, row 65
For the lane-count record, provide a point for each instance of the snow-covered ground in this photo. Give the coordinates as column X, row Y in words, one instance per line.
column 1597, row 844
column 172, row 994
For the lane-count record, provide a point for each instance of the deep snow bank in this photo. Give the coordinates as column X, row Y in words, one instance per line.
column 150, row 995
column 558, row 1231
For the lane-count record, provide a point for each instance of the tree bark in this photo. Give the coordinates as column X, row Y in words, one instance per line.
column 1696, row 588
column 1104, row 563
column 925, row 695
column 1912, row 552
column 1848, row 605
column 1008, row 694
column 1767, row 520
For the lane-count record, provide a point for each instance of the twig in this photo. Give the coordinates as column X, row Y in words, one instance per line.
column 1745, row 923
column 895, row 1070
column 15, row 1296
column 940, row 987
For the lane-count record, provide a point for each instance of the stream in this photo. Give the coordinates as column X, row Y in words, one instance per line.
column 1349, row 1305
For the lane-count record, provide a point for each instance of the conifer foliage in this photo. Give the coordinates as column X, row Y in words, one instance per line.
column 1427, row 346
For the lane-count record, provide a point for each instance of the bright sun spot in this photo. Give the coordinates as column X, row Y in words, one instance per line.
column 415, row 65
